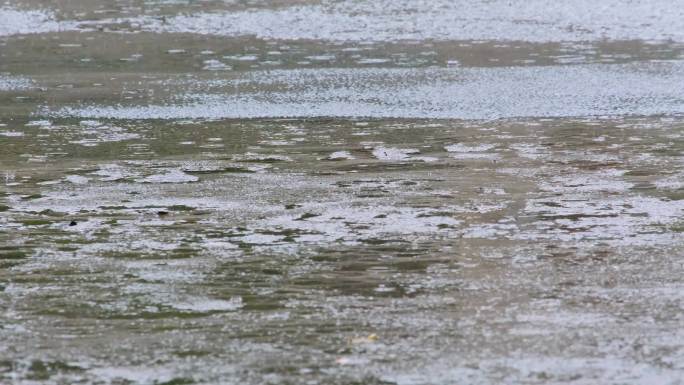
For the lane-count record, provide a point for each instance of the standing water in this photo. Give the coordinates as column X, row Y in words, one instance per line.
column 341, row 192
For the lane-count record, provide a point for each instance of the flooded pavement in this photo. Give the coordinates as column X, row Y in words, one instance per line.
column 355, row 192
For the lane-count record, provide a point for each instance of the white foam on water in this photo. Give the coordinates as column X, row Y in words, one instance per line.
column 460, row 93
column 134, row 374
column 340, row 155
column 215, row 65
column 460, row 147
column 579, row 216
column 16, row 22
column 555, row 369
column 392, row 20
column 14, row 83
column 674, row 182
column 392, row 154
column 169, row 176
column 395, row 20
column 202, row 305
column 45, row 124
column 346, row 223
column 11, row 134
column 76, row 179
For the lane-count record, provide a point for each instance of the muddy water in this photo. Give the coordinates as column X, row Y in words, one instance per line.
column 341, row 192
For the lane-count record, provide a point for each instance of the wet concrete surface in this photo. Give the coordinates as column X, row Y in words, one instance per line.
column 341, row 192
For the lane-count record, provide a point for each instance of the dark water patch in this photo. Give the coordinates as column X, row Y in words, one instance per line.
column 176, row 381
column 397, row 166
column 575, row 217
column 12, row 255
column 135, row 255
column 184, row 252
column 223, row 170
column 115, row 208
column 6, row 366
column 448, row 214
column 164, row 313
column 192, row 353
column 389, row 244
column 35, row 222
column 589, row 165
column 306, row 216
column 180, row 208
column 643, row 186
column 675, row 195
column 31, row 197
column 39, row 370
column 67, row 249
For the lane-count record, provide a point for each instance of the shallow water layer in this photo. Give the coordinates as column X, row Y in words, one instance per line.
column 473, row 93
column 341, row 192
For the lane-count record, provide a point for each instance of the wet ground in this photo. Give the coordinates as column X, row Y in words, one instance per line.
column 356, row 192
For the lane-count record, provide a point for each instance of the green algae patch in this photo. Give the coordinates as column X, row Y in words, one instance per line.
column 35, row 222
column 306, row 216
column 12, row 255
column 31, row 197
column 42, row 370
column 126, row 255
column 180, row 208
column 224, row 170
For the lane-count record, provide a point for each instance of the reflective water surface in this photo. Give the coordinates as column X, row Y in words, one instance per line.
column 341, row 192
